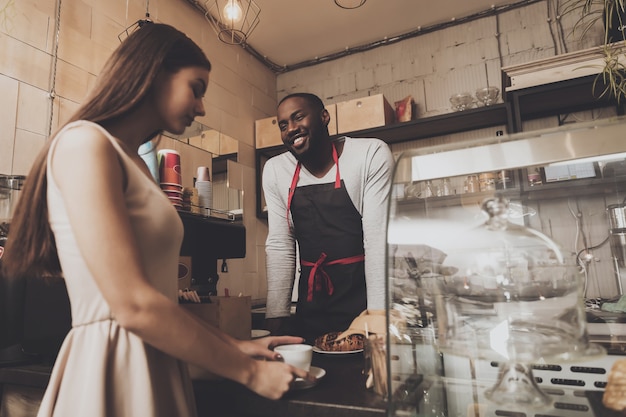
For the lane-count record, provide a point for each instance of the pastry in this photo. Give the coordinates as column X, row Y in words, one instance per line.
column 615, row 392
column 328, row 342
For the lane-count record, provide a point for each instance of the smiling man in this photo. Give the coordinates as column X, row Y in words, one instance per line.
column 329, row 198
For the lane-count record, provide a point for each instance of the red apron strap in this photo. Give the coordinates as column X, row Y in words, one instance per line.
column 319, row 279
column 336, row 159
column 292, row 190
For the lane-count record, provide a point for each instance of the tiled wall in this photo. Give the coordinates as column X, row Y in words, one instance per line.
column 433, row 66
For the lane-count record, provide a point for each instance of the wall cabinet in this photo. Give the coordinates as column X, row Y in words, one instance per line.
column 519, row 105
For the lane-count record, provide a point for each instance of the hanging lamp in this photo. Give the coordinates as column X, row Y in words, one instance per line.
column 232, row 20
column 350, row 4
column 137, row 25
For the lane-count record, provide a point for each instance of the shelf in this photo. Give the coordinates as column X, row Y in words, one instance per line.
column 464, row 199
column 212, row 238
column 444, row 124
column 542, row 192
column 558, row 98
column 576, row 188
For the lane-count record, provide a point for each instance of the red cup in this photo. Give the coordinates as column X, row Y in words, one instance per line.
column 169, row 167
column 177, row 194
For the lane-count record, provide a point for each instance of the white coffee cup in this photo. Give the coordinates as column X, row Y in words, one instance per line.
column 298, row 355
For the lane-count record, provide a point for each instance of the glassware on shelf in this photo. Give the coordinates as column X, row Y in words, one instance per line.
column 471, row 184
column 504, row 180
column 534, row 177
column 428, row 190
column 445, row 188
column 487, row 181
column 462, row 101
column 488, row 95
column 415, row 190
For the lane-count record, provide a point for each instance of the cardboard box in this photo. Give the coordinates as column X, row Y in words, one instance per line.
column 364, row 113
column 267, row 133
column 232, row 315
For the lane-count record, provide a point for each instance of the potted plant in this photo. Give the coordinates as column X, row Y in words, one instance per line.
column 611, row 80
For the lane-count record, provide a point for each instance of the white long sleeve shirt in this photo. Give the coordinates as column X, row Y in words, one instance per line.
column 366, row 167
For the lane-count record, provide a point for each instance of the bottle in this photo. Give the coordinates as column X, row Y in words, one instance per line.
column 428, row 190
column 472, row 183
column 445, row 188
column 534, row 177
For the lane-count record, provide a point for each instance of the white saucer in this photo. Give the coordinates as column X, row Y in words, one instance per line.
column 318, row 373
column 329, row 352
column 257, row 333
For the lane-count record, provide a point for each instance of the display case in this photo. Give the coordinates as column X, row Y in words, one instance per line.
column 505, row 265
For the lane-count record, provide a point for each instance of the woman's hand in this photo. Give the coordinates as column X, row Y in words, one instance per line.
column 273, row 379
column 262, row 348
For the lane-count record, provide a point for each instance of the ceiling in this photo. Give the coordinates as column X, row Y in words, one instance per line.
column 296, row 33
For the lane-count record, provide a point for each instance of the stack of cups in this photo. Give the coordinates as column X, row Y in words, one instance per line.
column 170, row 176
column 204, row 187
column 147, row 151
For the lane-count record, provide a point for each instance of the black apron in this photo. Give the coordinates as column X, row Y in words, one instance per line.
column 329, row 231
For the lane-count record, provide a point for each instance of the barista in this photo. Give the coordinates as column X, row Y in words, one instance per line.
column 328, row 197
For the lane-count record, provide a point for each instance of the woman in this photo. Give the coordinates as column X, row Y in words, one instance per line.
column 91, row 210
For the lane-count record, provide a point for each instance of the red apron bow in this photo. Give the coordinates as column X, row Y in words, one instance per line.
column 318, row 278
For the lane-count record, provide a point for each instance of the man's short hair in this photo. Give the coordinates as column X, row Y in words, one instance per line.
column 311, row 98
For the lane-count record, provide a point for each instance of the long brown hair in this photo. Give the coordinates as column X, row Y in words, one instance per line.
column 124, row 82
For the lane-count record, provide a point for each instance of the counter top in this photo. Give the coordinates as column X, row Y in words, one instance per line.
column 340, row 393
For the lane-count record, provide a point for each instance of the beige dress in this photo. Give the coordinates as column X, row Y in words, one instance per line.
column 102, row 370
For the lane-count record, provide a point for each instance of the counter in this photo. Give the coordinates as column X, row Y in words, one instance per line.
column 340, row 393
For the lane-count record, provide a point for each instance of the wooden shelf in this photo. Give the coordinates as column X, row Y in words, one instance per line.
column 444, row 124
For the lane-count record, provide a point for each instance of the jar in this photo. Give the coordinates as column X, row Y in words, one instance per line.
column 504, row 180
column 445, row 188
column 534, row 177
column 428, row 190
column 487, row 181
column 471, row 184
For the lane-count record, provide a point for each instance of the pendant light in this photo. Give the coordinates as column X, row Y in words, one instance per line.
column 350, row 4
column 232, row 20
column 137, row 25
